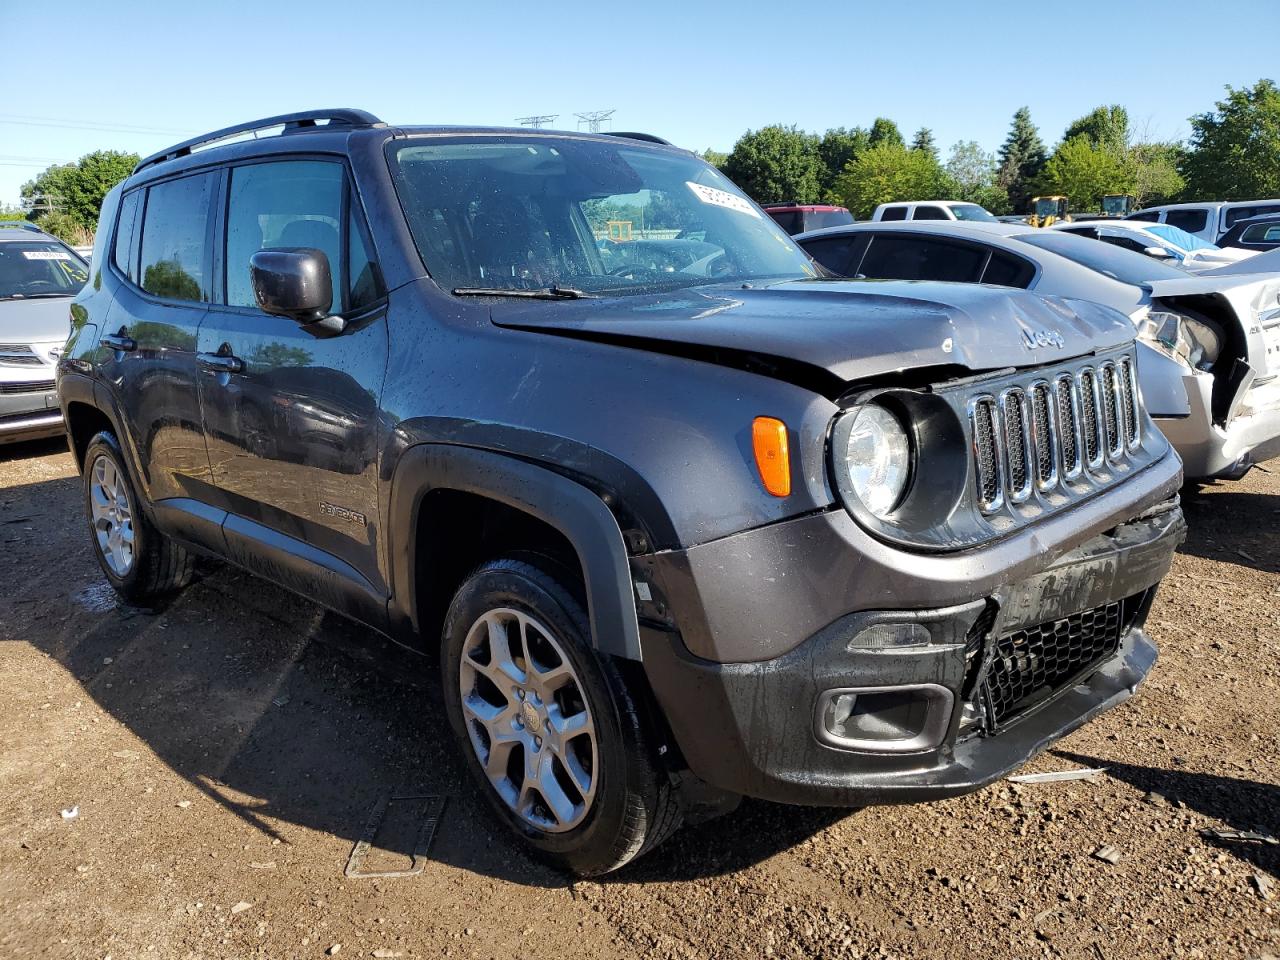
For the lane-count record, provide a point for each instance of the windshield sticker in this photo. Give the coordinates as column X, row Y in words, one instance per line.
column 721, row 198
column 45, row 255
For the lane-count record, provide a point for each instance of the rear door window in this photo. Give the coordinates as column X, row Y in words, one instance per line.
column 915, row 257
column 175, row 229
column 1243, row 213
column 929, row 213
column 788, row 220
column 894, row 213
column 1008, row 271
column 834, row 253
column 1191, row 221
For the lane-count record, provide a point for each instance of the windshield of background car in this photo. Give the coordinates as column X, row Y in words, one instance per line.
column 971, row 211
column 1108, row 259
column 1180, row 238
column 35, row 268
column 611, row 219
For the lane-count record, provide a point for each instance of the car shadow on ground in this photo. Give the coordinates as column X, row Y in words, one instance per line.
column 31, row 449
column 289, row 716
column 1244, row 805
column 1226, row 528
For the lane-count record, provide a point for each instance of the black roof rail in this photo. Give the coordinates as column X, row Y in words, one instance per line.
column 646, row 137
column 306, row 119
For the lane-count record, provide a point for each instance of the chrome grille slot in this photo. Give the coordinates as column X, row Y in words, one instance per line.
column 1068, row 425
column 986, row 453
column 1043, row 435
column 1013, row 406
column 1129, row 390
column 19, row 355
column 1111, row 415
column 1088, row 387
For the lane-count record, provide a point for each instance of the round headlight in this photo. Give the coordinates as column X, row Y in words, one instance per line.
column 876, row 459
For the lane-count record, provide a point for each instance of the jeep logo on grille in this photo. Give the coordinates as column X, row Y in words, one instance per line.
column 1042, row 338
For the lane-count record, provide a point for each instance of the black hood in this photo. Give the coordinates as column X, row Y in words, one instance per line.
column 848, row 329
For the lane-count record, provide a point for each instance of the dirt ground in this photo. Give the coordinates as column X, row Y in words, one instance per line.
column 225, row 752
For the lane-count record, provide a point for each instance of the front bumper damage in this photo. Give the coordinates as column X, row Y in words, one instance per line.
column 757, row 728
column 1250, row 435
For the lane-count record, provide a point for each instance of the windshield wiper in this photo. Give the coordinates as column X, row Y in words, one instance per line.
column 35, row 296
column 541, row 293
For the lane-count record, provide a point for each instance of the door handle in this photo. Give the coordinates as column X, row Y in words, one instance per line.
column 118, row 341
column 220, row 363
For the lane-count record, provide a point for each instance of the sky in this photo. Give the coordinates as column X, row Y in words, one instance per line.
column 139, row 76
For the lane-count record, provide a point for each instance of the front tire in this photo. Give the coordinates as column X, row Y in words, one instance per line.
column 138, row 560
column 547, row 726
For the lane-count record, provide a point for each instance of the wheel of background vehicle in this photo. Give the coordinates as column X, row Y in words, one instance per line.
column 139, row 561
column 547, row 726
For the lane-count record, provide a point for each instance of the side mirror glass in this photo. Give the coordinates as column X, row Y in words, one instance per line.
column 1160, row 253
column 293, row 282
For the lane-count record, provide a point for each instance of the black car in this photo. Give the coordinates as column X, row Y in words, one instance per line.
column 680, row 526
column 1254, row 233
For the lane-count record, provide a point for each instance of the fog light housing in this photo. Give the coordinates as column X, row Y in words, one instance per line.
column 906, row 719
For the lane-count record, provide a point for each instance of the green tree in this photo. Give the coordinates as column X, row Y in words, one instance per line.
column 76, row 189
column 1235, row 149
column 1084, row 173
column 714, row 157
column 836, row 148
column 1021, row 157
column 923, row 141
column 889, row 172
column 1154, row 172
column 1106, row 127
column 885, row 131
column 971, row 172
column 776, row 163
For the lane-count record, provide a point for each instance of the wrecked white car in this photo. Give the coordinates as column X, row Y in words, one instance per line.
column 1209, row 357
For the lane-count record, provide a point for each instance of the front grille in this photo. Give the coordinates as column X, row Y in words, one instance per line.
column 1030, row 665
column 33, row 386
column 1044, row 433
column 18, row 355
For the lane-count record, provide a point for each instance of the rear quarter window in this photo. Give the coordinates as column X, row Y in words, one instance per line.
column 1008, row 271
column 834, row 253
column 894, row 213
column 122, row 250
column 929, row 213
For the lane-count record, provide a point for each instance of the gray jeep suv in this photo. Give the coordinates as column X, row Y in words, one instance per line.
column 679, row 526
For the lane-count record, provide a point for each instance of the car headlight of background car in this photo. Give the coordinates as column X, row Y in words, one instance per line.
column 1189, row 341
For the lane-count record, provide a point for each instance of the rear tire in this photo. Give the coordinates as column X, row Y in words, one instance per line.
column 536, row 710
column 139, row 561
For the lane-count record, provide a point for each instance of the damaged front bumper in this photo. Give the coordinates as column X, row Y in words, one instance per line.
column 1250, row 435
column 975, row 688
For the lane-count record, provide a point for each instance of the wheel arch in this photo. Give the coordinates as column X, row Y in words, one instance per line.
column 432, row 487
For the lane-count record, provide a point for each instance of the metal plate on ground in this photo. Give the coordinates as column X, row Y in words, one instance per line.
column 396, row 838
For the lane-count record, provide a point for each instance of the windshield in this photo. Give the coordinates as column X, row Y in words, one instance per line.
column 971, row 211
column 533, row 213
column 39, row 268
column 1108, row 259
column 1115, row 206
column 1046, row 208
column 1179, row 237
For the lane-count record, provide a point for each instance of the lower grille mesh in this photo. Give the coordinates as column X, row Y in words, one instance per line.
column 31, row 386
column 1031, row 664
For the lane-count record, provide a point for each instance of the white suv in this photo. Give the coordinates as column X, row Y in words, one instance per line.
column 1208, row 220
column 932, row 210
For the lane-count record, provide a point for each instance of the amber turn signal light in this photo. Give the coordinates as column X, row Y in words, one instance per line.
column 773, row 460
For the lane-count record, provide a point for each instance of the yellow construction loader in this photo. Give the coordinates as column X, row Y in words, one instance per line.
column 1046, row 211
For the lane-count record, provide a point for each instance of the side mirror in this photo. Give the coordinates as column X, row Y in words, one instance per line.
column 1160, row 253
column 293, row 282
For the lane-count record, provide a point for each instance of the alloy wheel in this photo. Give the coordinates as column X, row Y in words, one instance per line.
column 528, row 720
column 112, row 515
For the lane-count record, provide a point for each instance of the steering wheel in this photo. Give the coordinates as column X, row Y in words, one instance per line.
column 632, row 272
column 38, row 283
column 720, row 266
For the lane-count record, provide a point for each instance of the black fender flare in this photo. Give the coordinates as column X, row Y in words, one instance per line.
column 569, row 507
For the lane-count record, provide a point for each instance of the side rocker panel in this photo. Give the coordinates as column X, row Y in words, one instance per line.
column 569, row 507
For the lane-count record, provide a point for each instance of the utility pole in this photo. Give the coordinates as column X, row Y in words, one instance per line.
column 594, row 119
column 537, row 122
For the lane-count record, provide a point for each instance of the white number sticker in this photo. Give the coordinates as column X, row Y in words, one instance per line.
column 45, row 255
column 721, row 198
